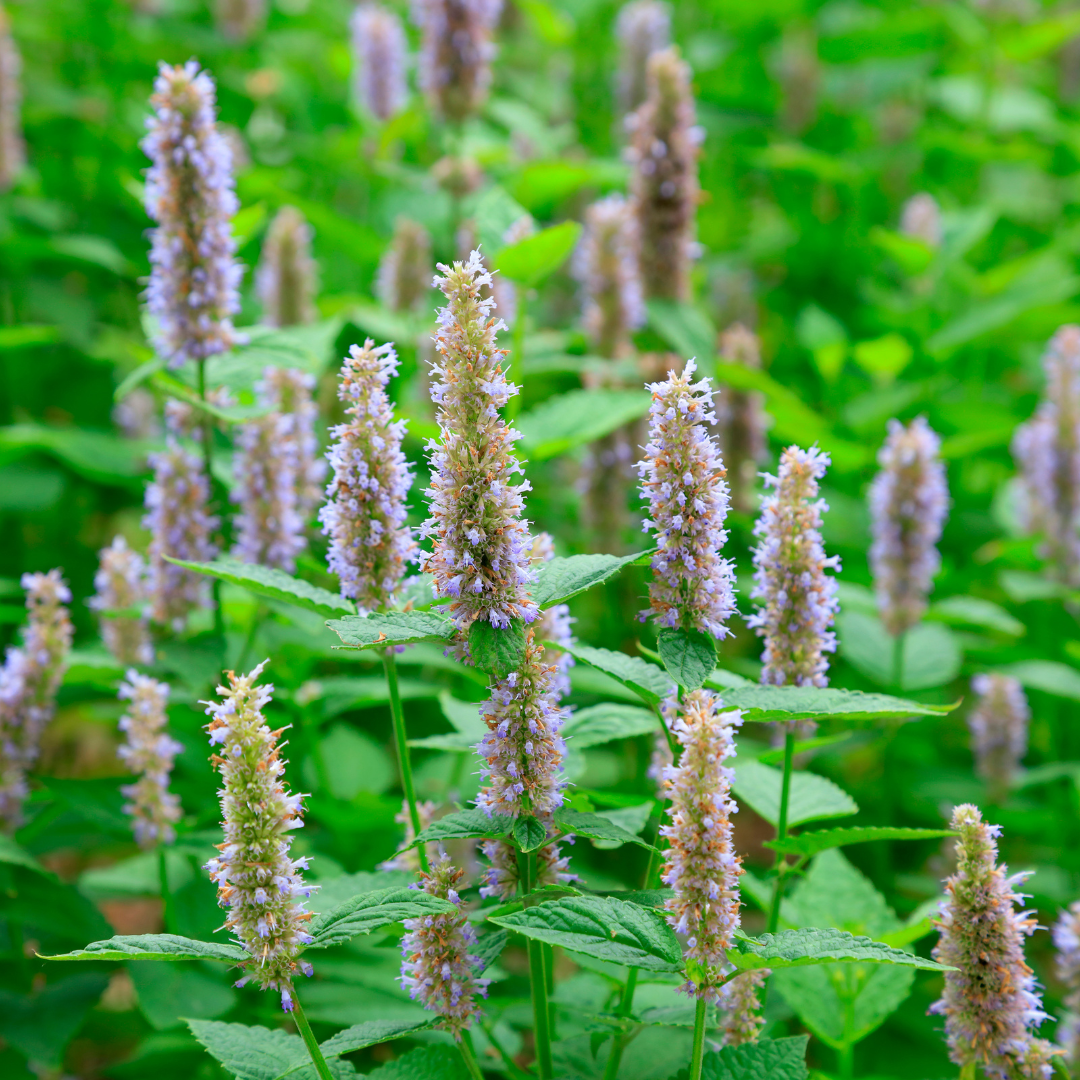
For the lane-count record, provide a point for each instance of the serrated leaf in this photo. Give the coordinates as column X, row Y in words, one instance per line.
column 488, row 949
column 369, row 1033
column 931, row 652
column 812, row 797
column 250, row 1052
column 820, row 945
column 369, row 911
column 766, row 1059
column 529, row 834
column 595, row 827
column 602, row 927
column 155, row 947
column 382, row 629
column 689, row 656
column 537, row 257
column 813, row 842
column 423, row 1063
column 11, row 853
column 650, row 683
column 273, row 584
column 606, row 722
column 577, row 418
column 498, row 651
column 465, row 825
column 771, row 703
column 562, row 578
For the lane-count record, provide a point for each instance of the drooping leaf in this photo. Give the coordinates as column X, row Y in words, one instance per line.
column 384, row 629
column 156, row 947
column 11, row 853
column 688, row 655
column 529, row 834
column 466, row 824
column 488, row 949
column 537, row 257
column 595, row 827
column 650, row 683
column 577, row 418
column 766, row 1059
column 369, row 911
column 369, row 1033
column 812, row 797
column 630, row 818
column 497, row 650
column 1050, row 676
column 250, row 1052
column 606, row 722
column 975, row 611
column 813, row 842
column 931, row 653
column 820, row 945
column 560, row 578
column 771, row 703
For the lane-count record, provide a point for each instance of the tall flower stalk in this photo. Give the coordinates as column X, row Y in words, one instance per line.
column 999, row 731
column 287, row 277
column 741, row 420
column 379, row 58
column 1067, row 942
column 642, row 28
column 404, row 279
column 121, row 601
column 12, row 147
column 239, row 20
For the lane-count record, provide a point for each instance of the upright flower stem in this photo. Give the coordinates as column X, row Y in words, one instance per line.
column 468, row 1054
column 207, row 435
column 898, row 661
column 538, row 981
column 698, row 1052
column 781, row 828
column 626, row 1007
column 168, row 909
column 404, row 763
column 310, row 1041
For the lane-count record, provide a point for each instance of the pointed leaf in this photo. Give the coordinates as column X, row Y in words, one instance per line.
column 156, row 947
column 812, row 796
column 650, row 683
column 813, row 945
column 577, row 418
column 770, row 703
column 423, row 1063
column 537, row 257
column 595, row 827
column 11, row 853
column 369, row 1033
column 766, row 1059
column 560, row 578
column 387, row 628
column 529, row 834
column 813, row 842
column 1050, row 676
column 688, row 655
column 465, row 825
column 250, row 1053
column 606, row 722
column 498, row 651
column 369, row 911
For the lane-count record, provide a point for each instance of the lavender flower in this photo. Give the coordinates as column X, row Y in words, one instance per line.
column 643, row 28
column 29, row 681
column 481, row 543
column 180, row 525
column 921, row 219
column 136, row 415
column 287, row 275
column 554, row 624
column 408, row 858
column 999, row 730
column 379, row 51
column 909, row 501
column 238, row 20
column 991, row 1003
column 189, row 193
column 741, row 420
column 501, row 876
column 683, row 481
column 456, row 55
column 149, row 751
column 437, row 965
column 120, row 599
column 1067, row 941
column 404, row 280
column 741, row 1008
column 798, row 597
column 370, row 544
column 12, row 147
column 664, row 185
column 257, row 881
column 1047, row 450
column 701, row 865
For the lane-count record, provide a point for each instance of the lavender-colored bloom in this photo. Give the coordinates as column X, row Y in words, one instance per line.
column 408, row 858
column 921, row 219
column 999, row 730
column 404, row 281
column 909, row 501
column 257, row 881
column 701, row 865
column 741, row 420
column 554, row 624
column 664, row 150
column 120, row 600
column 136, row 415
column 437, row 968
column 798, row 598
column 149, row 752
column 643, row 28
column 287, row 274
column 370, row 544
column 189, row 193
column 481, row 543
column 502, row 877
column 12, row 147
column 991, row 1003
column 29, row 681
column 180, row 525
column 456, row 55
column 379, row 55
column 239, row 20
column 682, row 477
column 1047, row 450
column 741, row 1007
column 1067, row 941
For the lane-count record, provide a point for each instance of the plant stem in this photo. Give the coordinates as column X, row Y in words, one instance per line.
column 898, row 661
column 538, row 981
column 207, row 434
column 626, row 1007
column 781, row 828
column 404, row 763
column 845, row 1061
column 517, row 354
column 698, row 1053
column 967, row 1072
column 512, row 1067
column 466, row 1047
column 309, row 1040
column 168, row 911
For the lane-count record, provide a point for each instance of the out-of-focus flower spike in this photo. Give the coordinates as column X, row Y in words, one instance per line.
column 741, row 1007
column 12, row 147
column 554, row 624
column 239, row 20
column 999, row 730
column 379, row 59
column 741, row 420
column 642, row 28
column 404, row 281
column 120, row 599
column 921, row 219
column 409, row 858
column 287, row 275
column 1067, row 942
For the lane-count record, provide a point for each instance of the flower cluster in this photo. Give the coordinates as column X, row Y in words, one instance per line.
column 408, row 858
column 29, row 681
column 480, row 556
column 437, row 968
column 502, row 876
column 12, row 147
column 701, row 865
column 370, row 544
column 991, row 1002
column 257, row 881
column 554, row 624
column 1047, row 449
column 189, row 193
column 643, row 28
column 239, row 20
column 379, row 51
column 741, row 1007
column 909, row 501
column 999, row 729
column 1067, row 941
column 287, row 275
column 186, row 420
column 404, row 280
column 741, row 420
column 921, row 219
column 683, row 481
column 798, row 598
column 664, row 184
column 120, row 599
column 180, row 525
column 149, row 752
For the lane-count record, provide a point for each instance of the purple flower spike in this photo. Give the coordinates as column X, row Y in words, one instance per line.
column 12, row 146
column 1067, row 941
column 380, row 53
column 643, row 28
column 999, row 730
column 287, row 275
column 120, row 599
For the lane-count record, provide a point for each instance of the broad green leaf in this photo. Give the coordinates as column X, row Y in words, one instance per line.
column 812, row 796
column 721, row 679
column 466, row 824
column 631, row 818
column 383, row 629
column 603, row 927
column 27, row 336
column 912, row 255
column 883, row 358
column 974, row 611
column 138, row 876
column 41, row 1025
column 685, row 328
column 498, row 651
column 561, row 578
column 156, row 947
column 171, row 386
column 415, row 593
column 251, row 1052
column 439, row 1062
column 577, row 418
column 688, row 655
column 168, row 991
column 494, row 212
column 768, row 703
column 766, row 1059
column 537, row 257
column 273, row 584
column 1029, row 42
column 369, row 911
column 817, row 945
column 813, row 842
column 106, row 459
column 11, row 853
column 607, row 722
column 335, row 891
column 542, row 185
column 488, row 948
column 650, row 683
column 595, row 827
column 46, row 905
column 369, row 1033
column 529, row 834
column 1050, row 676
column 775, row 756
column 931, row 654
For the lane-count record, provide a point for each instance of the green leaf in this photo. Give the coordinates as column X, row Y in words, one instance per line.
column 649, row 682
column 688, row 655
column 1047, row 675
column 488, row 949
column 813, row 842
column 606, row 722
column 931, row 656
column 630, row 818
column 543, row 185
column 768, row 703
column 464, row 825
column 602, row 927
column 562, row 578
column 595, row 827
column 250, row 1052
column 494, row 211
column 383, row 629
column 335, row 891
column 41, row 1025
column 369, row 911
column 529, row 834
column 27, row 336
column 168, row 991
column 156, row 947
column 686, row 328
column 974, row 611
column 423, row 1063
column 532, row 260
column 106, row 459
column 273, row 584
column 812, row 796
column 577, row 418
column 766, row 1059
column 497, row 651
column 912, row 255
column 816, row 945
column 11, row 853
column 370, row 1033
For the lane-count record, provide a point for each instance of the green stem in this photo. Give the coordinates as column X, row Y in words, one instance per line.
column 898, row 661
column 626, row 1007
column 538, row 982
column 469, row 1055
column 781, row 828
column 168, row 909
column 698, row 1053
column 309, row 1041
column 517, row 355
column 207, row 432
column 511, row 1066
column 656, row 857
column 967, row 1072
column 404, row 762
column 845, row 1061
